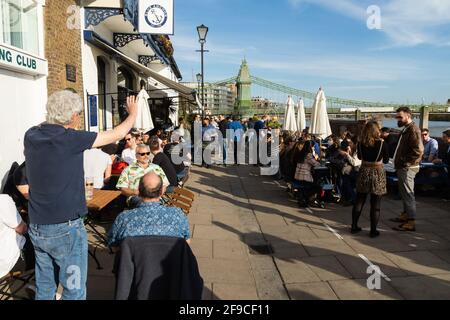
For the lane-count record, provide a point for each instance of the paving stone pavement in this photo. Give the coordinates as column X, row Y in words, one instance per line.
column 252, row 241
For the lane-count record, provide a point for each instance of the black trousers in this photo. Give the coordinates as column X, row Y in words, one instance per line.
column 310, row 191
column 375, row 209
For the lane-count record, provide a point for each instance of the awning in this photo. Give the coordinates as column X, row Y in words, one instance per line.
column 96, row 40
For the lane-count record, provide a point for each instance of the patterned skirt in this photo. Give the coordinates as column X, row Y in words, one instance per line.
column 371, row 180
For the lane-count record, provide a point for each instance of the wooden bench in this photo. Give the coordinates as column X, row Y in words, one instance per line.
column 181, row 198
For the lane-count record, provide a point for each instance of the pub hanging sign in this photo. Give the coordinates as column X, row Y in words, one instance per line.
column 156, row 16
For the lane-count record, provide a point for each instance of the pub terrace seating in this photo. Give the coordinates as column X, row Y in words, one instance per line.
column 181, row 198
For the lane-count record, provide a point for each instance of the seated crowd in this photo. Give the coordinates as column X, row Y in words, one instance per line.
column 32, row 222
column 298, row 155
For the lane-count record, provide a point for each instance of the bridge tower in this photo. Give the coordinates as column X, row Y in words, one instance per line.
column 243, row 104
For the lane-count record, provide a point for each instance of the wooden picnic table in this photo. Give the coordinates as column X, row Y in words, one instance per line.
column 101, row 199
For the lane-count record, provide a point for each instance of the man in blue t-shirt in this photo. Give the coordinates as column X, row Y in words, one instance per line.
column 57, row 203
column 236, row 133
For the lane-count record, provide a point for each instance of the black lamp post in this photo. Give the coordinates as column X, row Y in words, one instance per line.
column 199, row 79
column 202, row 32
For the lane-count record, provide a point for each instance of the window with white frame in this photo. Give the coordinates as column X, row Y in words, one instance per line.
column 19, row 24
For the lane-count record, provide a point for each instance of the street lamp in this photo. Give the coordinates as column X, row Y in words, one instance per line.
column 202, row 32
column 199, row 79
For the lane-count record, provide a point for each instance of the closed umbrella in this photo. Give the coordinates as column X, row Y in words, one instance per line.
column 320, row 124
column 173, row 115
column 289, row 116
column 301, row 119
column 144, row 120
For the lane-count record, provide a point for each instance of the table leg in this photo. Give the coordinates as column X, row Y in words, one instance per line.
column 105, row 241
column 92, row 254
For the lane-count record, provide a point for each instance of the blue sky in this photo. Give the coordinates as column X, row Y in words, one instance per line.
column 306, row 44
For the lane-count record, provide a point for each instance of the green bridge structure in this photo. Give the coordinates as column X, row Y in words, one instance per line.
column 274, row 96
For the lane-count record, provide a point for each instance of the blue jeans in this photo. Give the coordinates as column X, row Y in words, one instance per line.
column 61, row 258
column 182, row 174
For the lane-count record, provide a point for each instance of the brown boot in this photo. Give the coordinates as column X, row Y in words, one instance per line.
column 408, row 226
column 402, row 219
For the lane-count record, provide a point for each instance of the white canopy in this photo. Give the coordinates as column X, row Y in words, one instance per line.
column 301, row 118
column 320, row 124
column 144, row 120
column 289, row 116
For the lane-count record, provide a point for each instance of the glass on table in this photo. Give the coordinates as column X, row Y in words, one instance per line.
column 89, row 188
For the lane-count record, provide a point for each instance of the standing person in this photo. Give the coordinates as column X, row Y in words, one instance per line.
column 390, row 139
column 259, row 126
column 305, row 162
column 349, row 171
column 407, row 158
column 208, row 135
column 57, row 203
column 238, row 131
column 223, row 126
column 445, row 160
column 373, row 152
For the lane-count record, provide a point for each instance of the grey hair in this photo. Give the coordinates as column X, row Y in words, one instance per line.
column 142, row 146
column 61, row 106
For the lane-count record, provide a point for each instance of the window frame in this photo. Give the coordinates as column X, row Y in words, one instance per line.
column 40, row 4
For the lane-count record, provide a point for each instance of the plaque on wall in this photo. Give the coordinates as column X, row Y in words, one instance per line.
column 71, row 73
column 92, row 100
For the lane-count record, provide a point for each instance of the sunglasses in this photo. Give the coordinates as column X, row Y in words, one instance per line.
column 144, row 154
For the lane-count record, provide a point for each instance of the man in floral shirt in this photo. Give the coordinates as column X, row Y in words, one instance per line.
column 150, row 218
column 129, row 179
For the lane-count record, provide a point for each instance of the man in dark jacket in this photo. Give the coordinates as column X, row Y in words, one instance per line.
column 223, row 126
column 407, row 157
column 445, row 160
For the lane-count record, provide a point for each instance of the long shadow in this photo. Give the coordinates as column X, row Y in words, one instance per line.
column 296, row 220
column 343, row 272
column 247, row 205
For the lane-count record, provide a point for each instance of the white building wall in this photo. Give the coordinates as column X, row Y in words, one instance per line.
column 24, row 99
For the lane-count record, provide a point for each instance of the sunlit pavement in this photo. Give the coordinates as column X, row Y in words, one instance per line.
column 252, row 241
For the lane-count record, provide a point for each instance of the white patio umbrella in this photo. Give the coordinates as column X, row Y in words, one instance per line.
column 289, row 116
column 301, row 118
column 144, row 120
column 173, row 115
column 320, row 124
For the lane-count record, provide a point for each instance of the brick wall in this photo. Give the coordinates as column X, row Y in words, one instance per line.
column 62, row 46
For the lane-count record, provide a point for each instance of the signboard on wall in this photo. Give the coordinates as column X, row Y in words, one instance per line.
column 19, row 61
column 92, row 100
column 156, row 16
column 71, row 73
